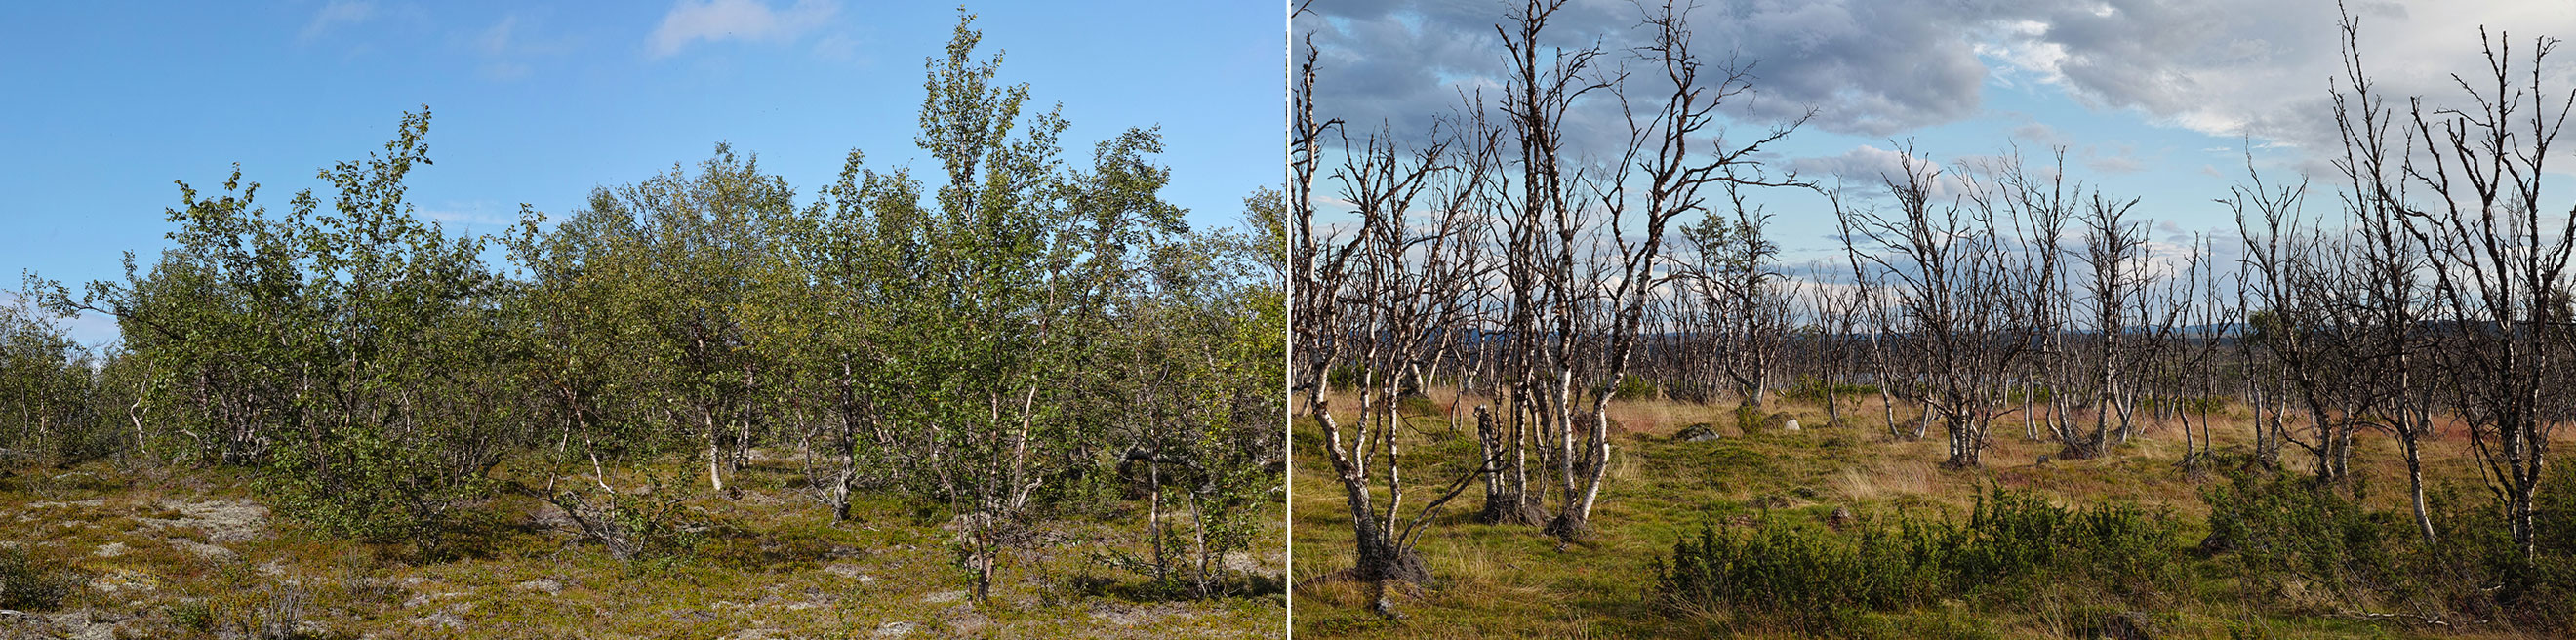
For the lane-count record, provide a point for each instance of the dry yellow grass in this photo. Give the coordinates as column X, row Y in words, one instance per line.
column 1503, row 581
column 1883, row 478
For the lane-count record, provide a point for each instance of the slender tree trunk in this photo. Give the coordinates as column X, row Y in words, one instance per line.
column 1887, row 409
column 715, row 451
column 2415, row 483
column 1499, row 502
column 1833, row 409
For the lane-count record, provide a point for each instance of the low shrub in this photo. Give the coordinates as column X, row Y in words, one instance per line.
column 1748, row 418
column 2191, row 404
column 193, row 615
column 30, row 583
column 2033, row 394
column 644, row 526
column 1419, row 406
column 1344, row 377
column 1812, row 389
column 2273, row 530
column 1816, row 579
column 2279, row 528
column 362, row 484
column 1635, row 387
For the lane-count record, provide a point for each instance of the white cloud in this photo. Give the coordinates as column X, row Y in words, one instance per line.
column 2123, row 160
column 496, row 40
column 336, row 14
column 2024, row 53
column 507, row 47
column 1865, row 162
column 842, row 49
column 495, row 47
column 1867, row 169
column 691, row 21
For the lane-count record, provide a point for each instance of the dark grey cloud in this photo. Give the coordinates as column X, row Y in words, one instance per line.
column 1880, row 68
column 1386, row 61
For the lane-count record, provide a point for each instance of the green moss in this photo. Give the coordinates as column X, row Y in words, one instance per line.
column 772, row 559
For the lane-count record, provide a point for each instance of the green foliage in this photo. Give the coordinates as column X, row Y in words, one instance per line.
column 31, row 583
column 1812, row 389
column 1014, row 337
column 2542, row 590
column 1200, row 361
column 2277, row 529
column 1418, row 406
column 2040, row 394
column 2282, row 527
column 1732, row 245
column 2194, row 404
column 1635, row 388
column 650, row 526
column 1818, row 579
column 385, row 490
column 1749, row 418
column 193, row 615
column 1345, row 377
column 345, row 348
column 2017, row 534
column 50, row 407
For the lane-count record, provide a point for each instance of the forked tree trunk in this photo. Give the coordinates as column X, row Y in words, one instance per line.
column 1504, row 503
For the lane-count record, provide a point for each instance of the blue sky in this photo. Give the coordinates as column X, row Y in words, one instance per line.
column 106, row 103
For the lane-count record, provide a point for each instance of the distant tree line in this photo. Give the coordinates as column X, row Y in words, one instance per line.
column 1015, row 338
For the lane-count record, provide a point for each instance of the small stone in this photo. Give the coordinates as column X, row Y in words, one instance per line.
column 1700, row 432
column 441, row 619
column 1779, row 421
